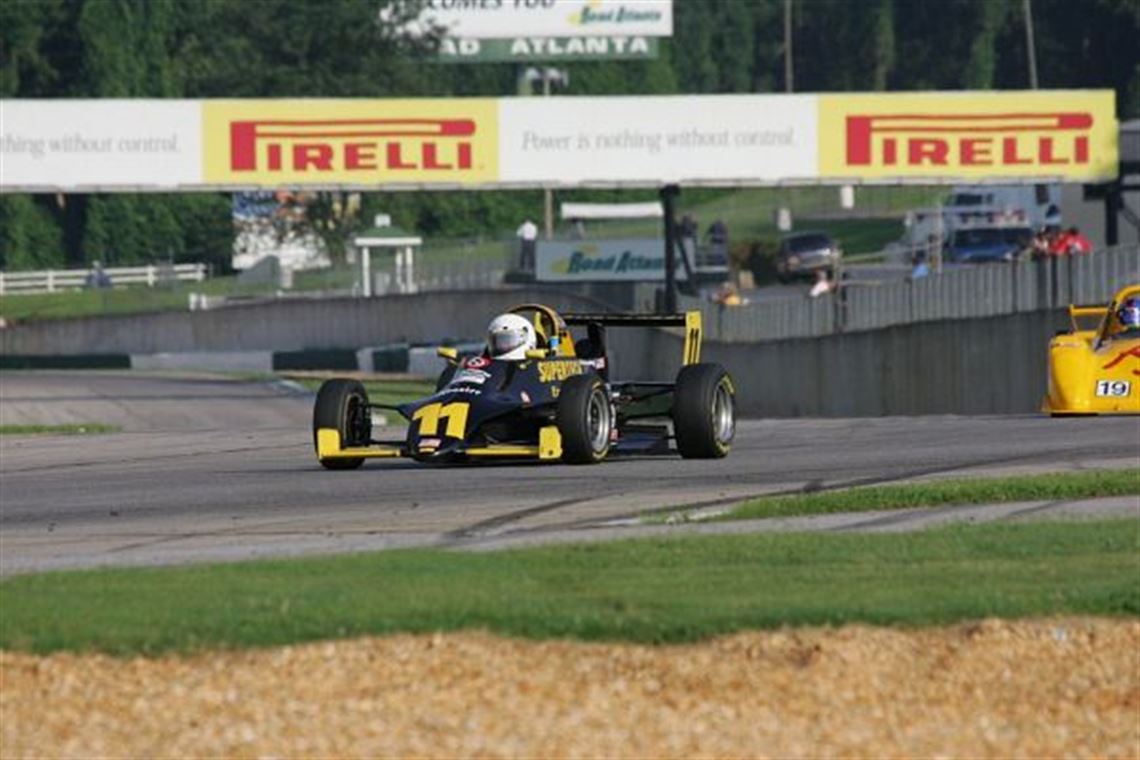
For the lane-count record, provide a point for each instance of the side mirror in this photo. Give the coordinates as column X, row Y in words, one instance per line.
column 449, row 353
column 536, row 353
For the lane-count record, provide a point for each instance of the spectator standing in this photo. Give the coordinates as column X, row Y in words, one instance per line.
column 727, row 295
column 823, row 284
column 718, row 242
column 97, row 277
column 934, row 251
column 527, row 234
column 1059, row 243
column 1078, row 243
column 1041, row 244
column 1070, row 242
column 921, row 268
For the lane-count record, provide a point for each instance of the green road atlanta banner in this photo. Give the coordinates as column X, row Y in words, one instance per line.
column 527, row 49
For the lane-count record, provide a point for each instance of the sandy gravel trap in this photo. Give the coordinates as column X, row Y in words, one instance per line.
column 1046, row 688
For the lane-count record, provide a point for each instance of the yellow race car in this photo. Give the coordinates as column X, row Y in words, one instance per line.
column 1097, row 371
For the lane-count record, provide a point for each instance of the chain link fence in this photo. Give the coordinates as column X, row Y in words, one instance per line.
column 980, row 291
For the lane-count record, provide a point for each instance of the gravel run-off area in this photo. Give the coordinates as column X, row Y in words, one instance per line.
column 1039, row 688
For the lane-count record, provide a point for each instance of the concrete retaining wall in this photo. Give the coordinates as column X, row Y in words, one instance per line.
column 287, row 325
column 993, row 365
column 964, row 366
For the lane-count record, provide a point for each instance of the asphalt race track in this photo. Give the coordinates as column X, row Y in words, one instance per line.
column 208, row 468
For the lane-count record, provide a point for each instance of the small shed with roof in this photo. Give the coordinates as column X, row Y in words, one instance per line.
column 384, row 237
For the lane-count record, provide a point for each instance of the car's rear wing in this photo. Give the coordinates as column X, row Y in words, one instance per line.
column 690, row 320
column 1077, row 313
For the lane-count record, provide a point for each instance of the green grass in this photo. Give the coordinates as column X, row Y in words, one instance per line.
column 383, row 391
column 86, row 428
column 126, row 300
column 1043, row 487
column 860, row 238
column 749, row 214
column 664, row 590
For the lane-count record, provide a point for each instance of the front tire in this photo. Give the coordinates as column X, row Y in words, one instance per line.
column 343, row 406
column 585, row 420
column 704, row 411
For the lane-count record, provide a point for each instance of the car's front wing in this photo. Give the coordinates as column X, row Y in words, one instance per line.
column 549, row 447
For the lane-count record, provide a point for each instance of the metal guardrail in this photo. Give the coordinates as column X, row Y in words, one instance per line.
column 979, row 291
column 55, row 280
column 459, row 275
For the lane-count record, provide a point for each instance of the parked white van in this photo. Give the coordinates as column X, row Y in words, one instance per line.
column 1041, row 203
column 974, row 207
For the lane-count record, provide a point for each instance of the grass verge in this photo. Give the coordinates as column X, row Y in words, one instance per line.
column 749, row 214
column 383, row 391
column 1041, row 487
column 660, row 590
column 132, row 299
column 85, row 428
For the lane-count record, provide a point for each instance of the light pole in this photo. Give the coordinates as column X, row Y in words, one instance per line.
column 788, row 68
column 548, row 76
column 1030, row 45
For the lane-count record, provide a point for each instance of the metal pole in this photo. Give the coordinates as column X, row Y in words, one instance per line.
column 1112, row 201
column 366, row 271
column 1027, row 9
column 548, row 212
column 669, row 194
column 547, row 195
column 788, row 72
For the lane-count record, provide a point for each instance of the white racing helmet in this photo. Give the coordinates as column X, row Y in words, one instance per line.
column 509, row 337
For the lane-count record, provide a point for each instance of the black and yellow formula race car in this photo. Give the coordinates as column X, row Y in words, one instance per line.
column 557, row 403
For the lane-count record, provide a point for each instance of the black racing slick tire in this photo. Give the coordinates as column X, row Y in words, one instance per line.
column 585, row 420
column 704, row 411
column 343, row 406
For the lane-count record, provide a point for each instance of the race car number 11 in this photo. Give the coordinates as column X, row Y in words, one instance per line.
column 1112, row 387
column 455, row 413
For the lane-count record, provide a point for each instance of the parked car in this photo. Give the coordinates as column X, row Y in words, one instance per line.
column 978, row 245
column 805, row 253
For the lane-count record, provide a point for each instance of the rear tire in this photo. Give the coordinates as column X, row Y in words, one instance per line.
column 343, row 406
column 704, row 411
column 585, row 420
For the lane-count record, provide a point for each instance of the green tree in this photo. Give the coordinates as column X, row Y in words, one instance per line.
column 733, row 40
column 882, row 44
column 29, row 235
column 312, row 48
column 25, row 68
column 694, row 57
column 990, row 18
column 127, row 48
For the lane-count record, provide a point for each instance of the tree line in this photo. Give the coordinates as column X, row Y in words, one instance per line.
column 311, row 48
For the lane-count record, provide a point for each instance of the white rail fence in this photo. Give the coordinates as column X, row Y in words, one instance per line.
column 56, row 280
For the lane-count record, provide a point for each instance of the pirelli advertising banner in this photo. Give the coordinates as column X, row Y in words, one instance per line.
column 350, row 142
column 646, row 141
column 1070, row 135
